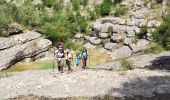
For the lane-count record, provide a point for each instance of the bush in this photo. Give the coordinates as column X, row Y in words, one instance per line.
column 58, row 5
column 83, row 24
column 105, row 8
column 92, row 15
column 49, row 3
column 70, row 44
column 75, row 4
column 28, row 15
column 98, row 9
column 120, row 10
column 162, row 33
column 126, row 65
column 116, row 1
column 57, row 33
column 154, row 49
column 71, row 17
column 83, row 2
column 143, row 32
column 5, row 20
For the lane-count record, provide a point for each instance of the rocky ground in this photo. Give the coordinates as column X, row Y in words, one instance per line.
column 100, row 83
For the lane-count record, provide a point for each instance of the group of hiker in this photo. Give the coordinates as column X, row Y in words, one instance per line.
column 65, row 56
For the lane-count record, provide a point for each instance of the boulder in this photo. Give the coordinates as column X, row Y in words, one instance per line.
column 19, row 52
column 141, row 45
column 90, row 46
column 117, row 37
column 79, row 37
column 153, row 23
column 7, row 42
column 104, row 41
column 128, row 41
column 95, row 40
column 110, row 46
column 96, row 26
column 106, row 27
column 103, row 35
column 86, row 37
column 119, row 29
column 122, row 52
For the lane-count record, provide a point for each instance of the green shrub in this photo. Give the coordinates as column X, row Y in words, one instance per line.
column 71, row 17
column 92, row 15
column 28, row 15
column 75, row 4
column 116, row 1
column 70, row 44
column 120, row 10
column 83, row 24
column 5, row 20
column 154, row 49
column 98, row 10
column 49, row 3
column 58, row 5
column 83, row 2
column 105, row 8
column 125, row 65
column 57, row 33
column 143, row 32
column 162, row 33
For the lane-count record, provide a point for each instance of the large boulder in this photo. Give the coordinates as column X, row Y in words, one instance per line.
column 90, row 46
column 96, row 26
column 122, row 52
column 79, row 37
column 110, row 46
column 106, row 27
column 7, row 42
column 95, row 40
column 103, row 35
column 10, row 56
column 117, row 37
column 140, row 45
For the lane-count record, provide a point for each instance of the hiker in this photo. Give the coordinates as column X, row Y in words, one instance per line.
column 62, row 44
column 84, row 57
column 60, row 58
column 78, row 59
column 68, row 59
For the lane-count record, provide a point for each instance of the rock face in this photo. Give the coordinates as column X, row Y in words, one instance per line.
column 18, row 47
column 122, row 52
column 114, row 31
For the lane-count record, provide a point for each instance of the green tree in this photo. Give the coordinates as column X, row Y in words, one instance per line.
column 83, row 24
column 28, row 15
column 105, row 8
column 75, row 4
column 5, row 20
column 49, row 3
column 162, row 33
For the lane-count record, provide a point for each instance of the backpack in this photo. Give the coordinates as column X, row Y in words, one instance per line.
column 60, row 53
column 84, row 54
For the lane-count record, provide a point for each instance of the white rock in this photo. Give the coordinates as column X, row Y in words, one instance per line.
column 122, row 52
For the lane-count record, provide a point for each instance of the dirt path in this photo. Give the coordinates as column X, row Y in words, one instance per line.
column 98, row 83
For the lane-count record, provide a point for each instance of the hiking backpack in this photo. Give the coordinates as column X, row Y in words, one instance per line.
column 60, row 53
column 84, row 54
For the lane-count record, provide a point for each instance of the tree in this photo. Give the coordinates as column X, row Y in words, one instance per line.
column 162, row 33
column 105, row 8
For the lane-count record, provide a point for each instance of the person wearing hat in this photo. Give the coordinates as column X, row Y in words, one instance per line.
column 68, row 59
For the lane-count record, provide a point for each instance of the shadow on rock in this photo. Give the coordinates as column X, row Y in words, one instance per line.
column 160, row 63
column 149, row 88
